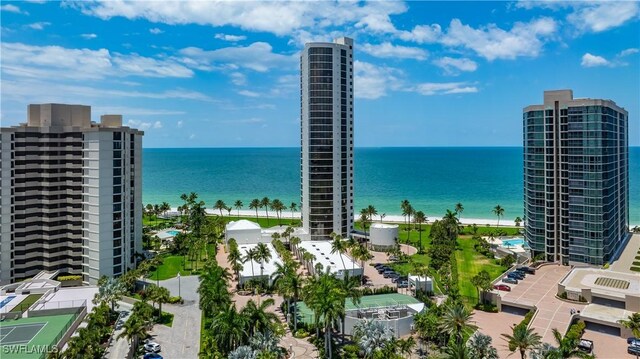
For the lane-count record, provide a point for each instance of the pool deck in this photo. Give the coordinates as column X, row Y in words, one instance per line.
column 13, row 303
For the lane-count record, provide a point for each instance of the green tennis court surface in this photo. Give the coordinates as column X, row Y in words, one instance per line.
column 26, row 338
column 369, row 301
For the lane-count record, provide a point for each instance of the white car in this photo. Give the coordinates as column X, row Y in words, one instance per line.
column 152, row 347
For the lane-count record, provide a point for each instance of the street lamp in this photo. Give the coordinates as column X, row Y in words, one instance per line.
column 179, row 292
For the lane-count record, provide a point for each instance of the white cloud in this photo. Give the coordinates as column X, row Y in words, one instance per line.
column 422, row 34
column 192, row 136
column 59, row 62
column 12, row 8
column 372, row 82
column 492, row 42
column 89, row 36
column 604, row 15
column 455, row 65
column 257, row 56
column 238, row 78
column 444, row 88
column 589, row 60
column 142, row 125
column 231, row 38
column 628, row 52
column 134, row 111
column 157, row 124
column 155, row 31
column 388, row 50
column 247, row 121
column 280, row 18
column 248, row 93
column 39, row 25
column 179, row 124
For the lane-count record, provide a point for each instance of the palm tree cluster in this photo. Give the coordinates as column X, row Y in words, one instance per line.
column 230, row 329
column 366, row 217
column 91, row 340
column 444, row 235
column 154, row 210
column 375, row 340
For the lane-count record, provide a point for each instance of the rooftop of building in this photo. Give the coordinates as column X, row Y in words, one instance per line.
column 383, row 225
column 242, row 224
column 565, row 97
column 602, row 281
column 334, row 261
column 255, row 269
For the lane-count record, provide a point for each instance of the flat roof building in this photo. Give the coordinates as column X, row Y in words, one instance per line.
column 326, row 154
column 254, row 270
column 576, row 178
column 334, row 262
column 71, row 194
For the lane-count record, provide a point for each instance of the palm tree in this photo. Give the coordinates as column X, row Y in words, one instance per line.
column 371, row 336
column 632, row 323
column 294, row 241
column 277, row 206
column 293, row 207
column 263, row 255
column 456, row 322
column 238, row 205
column 133, row 329
column 459, row 209
column 162, row 296
column 499, row 212
column 255, row 204
column 405, row 346
column 229, row 328
column 220, row 205
column 482, row 282
column 110, row 290
column 567, row 347
column 251, row 256
column 364, row 219
column 371, row 211
column 480, row 347
column 338, row 246
column 234, row 257
column 213, row 289
column 404, row 206
column 265, row 203
column 350, row 286
column 518, row 220
column 419, row 218
column 522, row 339
column 258, row 318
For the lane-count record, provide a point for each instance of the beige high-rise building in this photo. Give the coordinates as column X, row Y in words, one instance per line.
column 326, row 155
column 71, row 195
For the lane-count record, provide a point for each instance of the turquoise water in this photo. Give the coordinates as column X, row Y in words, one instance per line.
column 173, row 233
column 433, row 179
column 513, row 242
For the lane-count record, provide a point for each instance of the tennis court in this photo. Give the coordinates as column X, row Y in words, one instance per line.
column 369, row 301
column 33, row 333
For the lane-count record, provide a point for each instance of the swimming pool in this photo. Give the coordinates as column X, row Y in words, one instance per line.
column 173, row 233
column 6, row 300
column 513, row 242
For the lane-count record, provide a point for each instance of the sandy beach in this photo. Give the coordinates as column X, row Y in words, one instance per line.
column 389, row 218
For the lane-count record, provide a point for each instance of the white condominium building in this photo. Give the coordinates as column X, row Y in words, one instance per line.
column 71, row 197
column 327, row 138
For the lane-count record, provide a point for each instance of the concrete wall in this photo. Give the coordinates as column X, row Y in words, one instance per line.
column 400, row 327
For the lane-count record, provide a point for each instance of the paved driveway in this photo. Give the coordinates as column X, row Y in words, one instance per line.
column 182, row 339
column 496, row 324
column 540, row 291
column 627, row 257
column 186, row 286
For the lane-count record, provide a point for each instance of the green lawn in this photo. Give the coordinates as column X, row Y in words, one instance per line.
column 26, row 303
column 172, row 264
column 471, row 263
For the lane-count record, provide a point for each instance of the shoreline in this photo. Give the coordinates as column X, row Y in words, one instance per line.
column 387, row 219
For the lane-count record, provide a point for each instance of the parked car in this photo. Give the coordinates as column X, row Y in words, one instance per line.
column 585, row 345
column 378, row 265
column 402, row 284
column 388, row 273
column 633, row 341
column 393, row 258
column 383, row 269
column 528, row 270
column 503, row 287
column 633, row 350
column 510, row 280
column 152, row 356
column 152, row 347
column 515, row 275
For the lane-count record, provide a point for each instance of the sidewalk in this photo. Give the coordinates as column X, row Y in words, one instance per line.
column 119, row 348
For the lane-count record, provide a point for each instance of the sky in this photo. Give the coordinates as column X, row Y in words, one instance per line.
column 226, row 74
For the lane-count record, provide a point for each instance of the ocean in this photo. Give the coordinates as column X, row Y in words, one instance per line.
column 433, row 179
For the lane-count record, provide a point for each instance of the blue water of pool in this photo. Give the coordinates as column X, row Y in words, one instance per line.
column 513, row 242
column 173, row 233
column 6, row 300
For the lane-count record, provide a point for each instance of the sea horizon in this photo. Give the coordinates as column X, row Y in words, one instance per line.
column 432, row 178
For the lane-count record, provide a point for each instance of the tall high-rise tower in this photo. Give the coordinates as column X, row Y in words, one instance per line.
column 71, row 194
column 327, row 137
column 576, row 181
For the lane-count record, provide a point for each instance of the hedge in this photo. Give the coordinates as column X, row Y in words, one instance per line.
column 69, row 277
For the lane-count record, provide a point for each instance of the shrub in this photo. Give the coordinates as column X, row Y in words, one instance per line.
column 636, row 263
column 301, row 333
column 487, row 307
column 605, row 266
column 63, row 278
column 563, row 295
column 635, row 269
column 176, row 299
